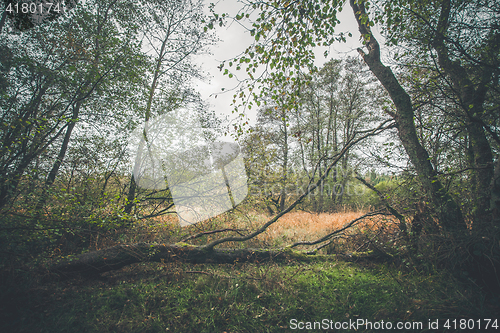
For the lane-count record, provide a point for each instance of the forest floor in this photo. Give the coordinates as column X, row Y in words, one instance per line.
column 251, row 297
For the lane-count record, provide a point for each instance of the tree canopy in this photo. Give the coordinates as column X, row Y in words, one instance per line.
column 457, row 54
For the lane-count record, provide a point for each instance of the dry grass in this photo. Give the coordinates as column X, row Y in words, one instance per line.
column 303, row 226
column 293, row 227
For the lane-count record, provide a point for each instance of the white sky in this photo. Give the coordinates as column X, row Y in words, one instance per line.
column 235, row 39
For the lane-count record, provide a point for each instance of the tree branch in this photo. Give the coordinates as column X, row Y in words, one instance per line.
column 351, row 143
column 401, row 218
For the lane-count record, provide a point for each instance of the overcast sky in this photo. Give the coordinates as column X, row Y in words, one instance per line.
column 235, row 39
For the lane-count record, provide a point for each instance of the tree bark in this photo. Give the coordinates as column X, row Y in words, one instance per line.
column 284, row 175
column 92, row 264
column 471, row 100
column 447, row 209
column 116, row 257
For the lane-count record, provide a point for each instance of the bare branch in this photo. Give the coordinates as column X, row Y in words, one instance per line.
column 382, row 127
column 401, row 218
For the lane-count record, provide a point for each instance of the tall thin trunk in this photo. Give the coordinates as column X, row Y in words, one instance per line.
column 60, row 157
column 284, row 165
column 147, row 116
column 321, row 153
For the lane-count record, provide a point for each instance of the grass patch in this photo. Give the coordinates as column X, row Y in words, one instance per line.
column 236, row 298
column 175, row 297
column 293, row 227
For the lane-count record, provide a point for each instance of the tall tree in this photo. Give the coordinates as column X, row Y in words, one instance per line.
column 111, row 53
column 286, row 33
column 448, row 211
column 174, row 34
column 460, row 43
column 76, row 57
column 271, row 135
column 337, row 102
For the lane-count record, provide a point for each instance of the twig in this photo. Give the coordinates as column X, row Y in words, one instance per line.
column 324, row 245
column 401, row 218
column 199, row 272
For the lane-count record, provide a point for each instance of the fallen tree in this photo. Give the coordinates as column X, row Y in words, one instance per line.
column 119, row 256
column 116, row 257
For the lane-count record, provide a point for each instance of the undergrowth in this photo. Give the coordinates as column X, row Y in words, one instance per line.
column 264, row 297
column 237, row 298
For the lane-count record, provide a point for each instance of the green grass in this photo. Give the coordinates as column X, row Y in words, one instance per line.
column 235, row 298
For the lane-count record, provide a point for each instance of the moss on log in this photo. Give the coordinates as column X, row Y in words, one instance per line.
column 116, row 257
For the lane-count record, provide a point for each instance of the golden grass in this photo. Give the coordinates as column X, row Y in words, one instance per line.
column 292, row 227
column 303, row 226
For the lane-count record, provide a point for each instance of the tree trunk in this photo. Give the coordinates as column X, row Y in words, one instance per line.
column 130, row 196
column 447, row 209
column 119, row 256
column 94, row 263
column 157, row 73
column 471, row 100
column 60, row 157
column 282, row 199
